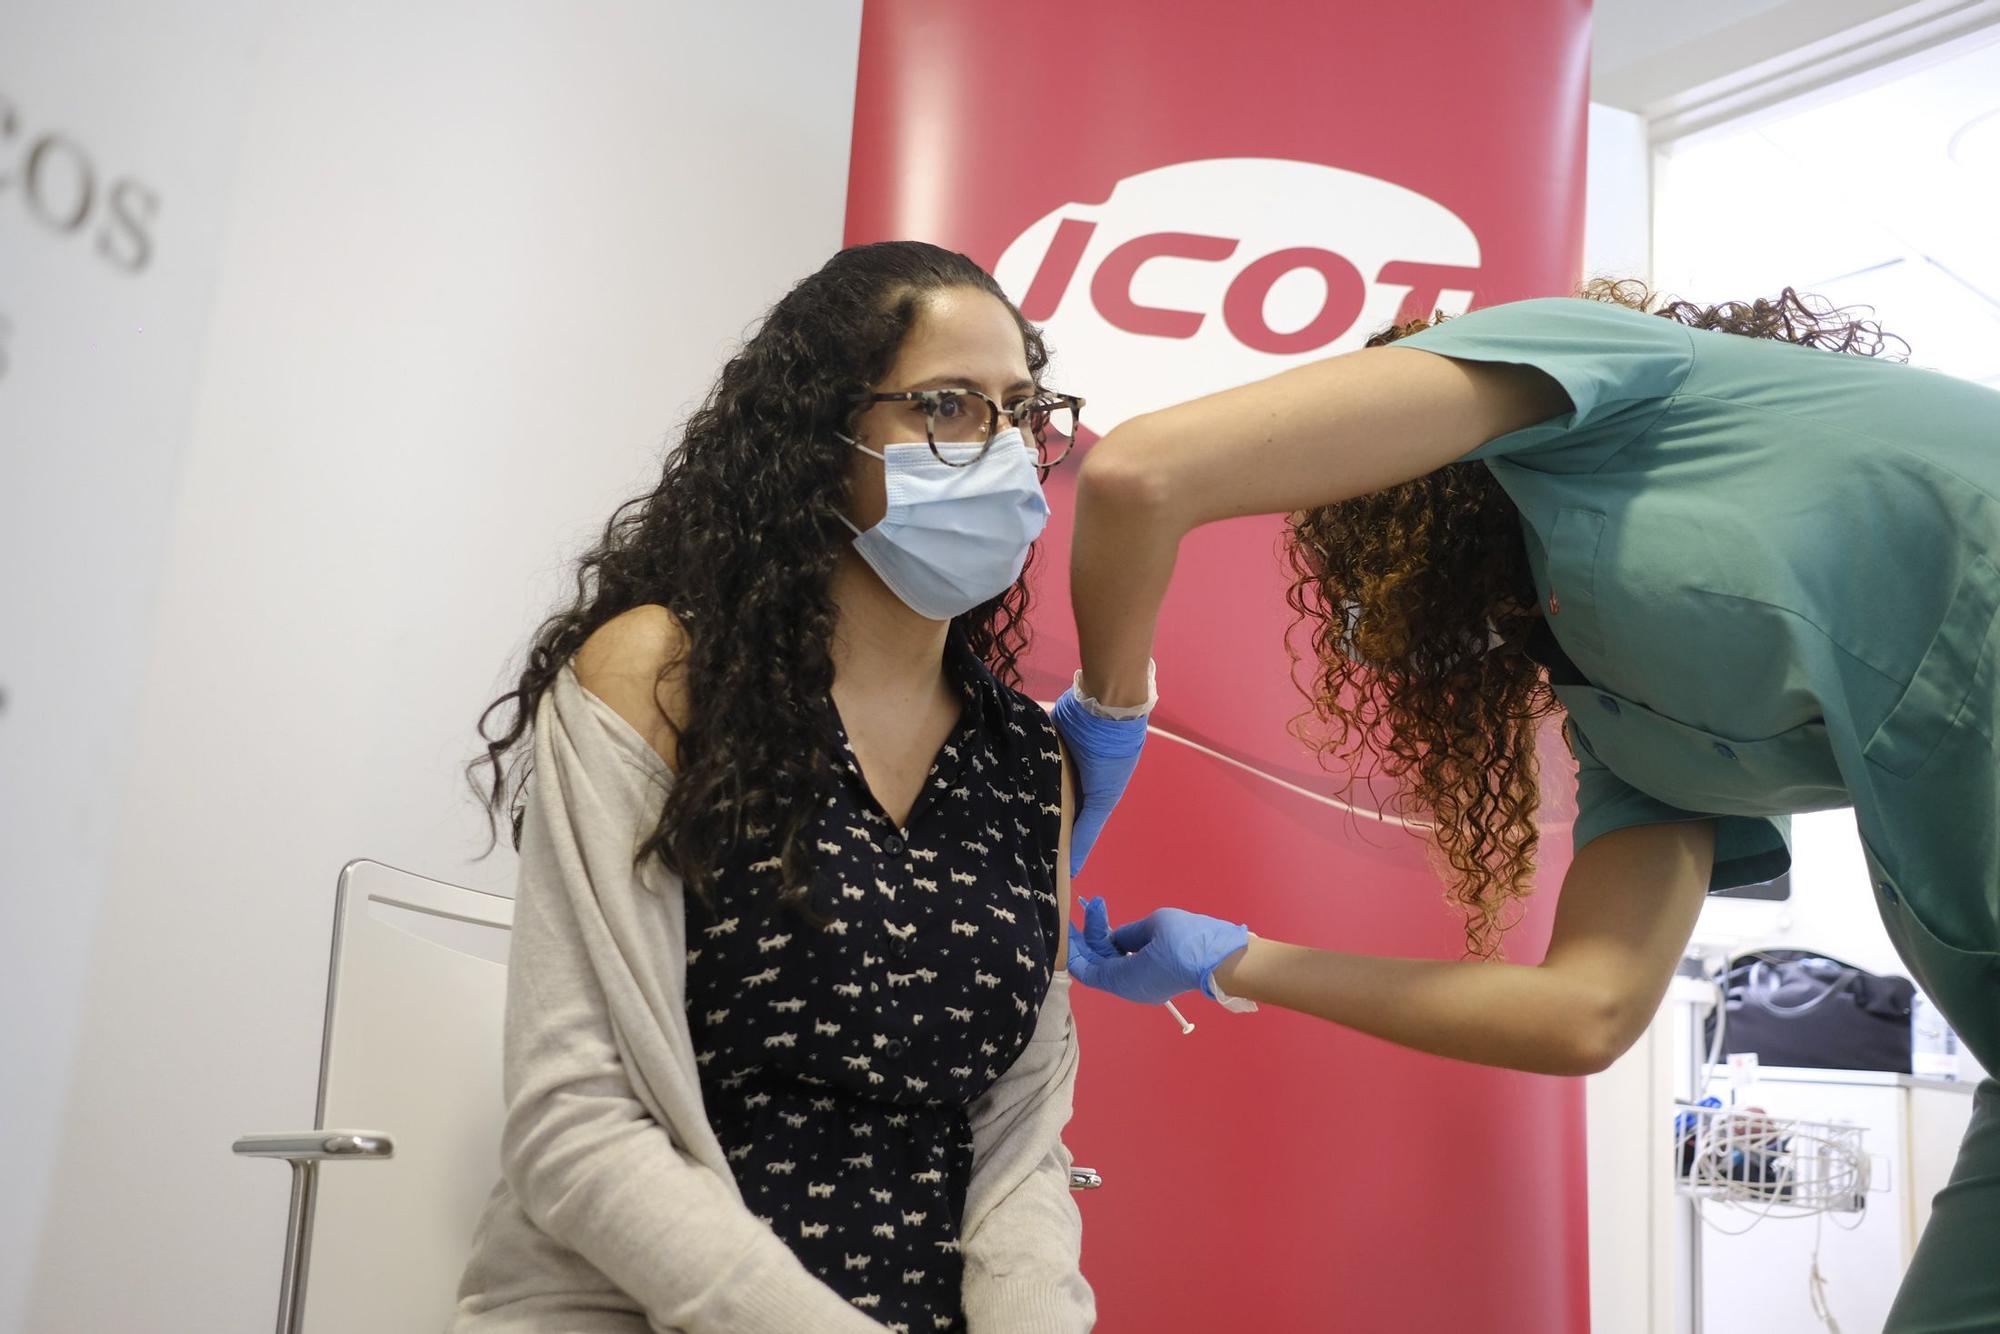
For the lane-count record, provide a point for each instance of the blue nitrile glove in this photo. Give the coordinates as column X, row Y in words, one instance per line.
column 1105, row 752
column 1154, row 959
column 1091, row 944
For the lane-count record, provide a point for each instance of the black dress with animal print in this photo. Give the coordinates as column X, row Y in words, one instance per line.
column 838, row 1064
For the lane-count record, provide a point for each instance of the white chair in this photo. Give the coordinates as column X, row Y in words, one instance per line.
column 415, row 997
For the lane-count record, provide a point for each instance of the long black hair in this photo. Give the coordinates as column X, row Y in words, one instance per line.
column 739, row 541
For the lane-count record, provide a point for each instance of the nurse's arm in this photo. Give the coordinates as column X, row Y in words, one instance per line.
column 1628, row 906
column 1316, row 434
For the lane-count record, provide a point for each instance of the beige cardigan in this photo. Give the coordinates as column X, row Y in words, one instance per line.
column 616, row 1212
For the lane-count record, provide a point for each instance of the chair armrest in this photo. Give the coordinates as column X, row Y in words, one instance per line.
column 312, row 1146
column 305, row 1150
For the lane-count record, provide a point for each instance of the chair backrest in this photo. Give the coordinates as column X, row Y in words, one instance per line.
column 415, row 998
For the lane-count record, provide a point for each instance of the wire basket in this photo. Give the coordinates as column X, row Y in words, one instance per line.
column 1776, row 1165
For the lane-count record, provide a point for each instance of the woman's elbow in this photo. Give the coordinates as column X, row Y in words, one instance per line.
column 1606, row 1031
column 1118, row 476
column 550, row 1149
column 527, row 1154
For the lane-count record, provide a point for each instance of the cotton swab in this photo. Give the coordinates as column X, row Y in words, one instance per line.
column 1179, row 1018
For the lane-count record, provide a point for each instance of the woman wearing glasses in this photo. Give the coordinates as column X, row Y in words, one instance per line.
column 1754, row 574
column 788, row 1040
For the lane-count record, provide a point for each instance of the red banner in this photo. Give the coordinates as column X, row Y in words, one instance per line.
column 1188, row 197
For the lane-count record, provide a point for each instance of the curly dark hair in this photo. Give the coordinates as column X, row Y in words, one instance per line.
column 739, row 541
column 1418, row 603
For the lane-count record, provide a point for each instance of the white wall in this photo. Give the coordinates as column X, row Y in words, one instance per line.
column 118, row 138
column 477, row 263
column 1617, row 197
column 1831, row 910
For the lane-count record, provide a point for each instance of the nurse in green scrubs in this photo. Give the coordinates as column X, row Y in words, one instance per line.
column 1754, row 572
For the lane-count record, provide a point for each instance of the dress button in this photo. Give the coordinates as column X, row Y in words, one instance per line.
column 896, row 1047
column 1724, row 751
column 892, row 845
column 1888, row 890
column 898, row 947
column 1610, row 704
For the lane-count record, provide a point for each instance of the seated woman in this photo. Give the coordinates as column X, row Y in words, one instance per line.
column 788, row 1034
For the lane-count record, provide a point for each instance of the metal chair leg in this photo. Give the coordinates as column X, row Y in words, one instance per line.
column 298, row 1247
column 305, row 1150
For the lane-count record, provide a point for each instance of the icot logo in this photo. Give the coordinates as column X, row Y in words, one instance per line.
column 1198, row 276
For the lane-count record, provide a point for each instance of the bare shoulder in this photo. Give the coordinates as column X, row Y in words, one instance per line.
column 635, row 663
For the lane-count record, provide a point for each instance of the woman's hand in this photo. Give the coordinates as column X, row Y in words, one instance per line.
column 1154, row 959
column 1104, row 751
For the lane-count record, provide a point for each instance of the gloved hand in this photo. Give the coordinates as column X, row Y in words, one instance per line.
column 1154, row 959
column 1105, row 751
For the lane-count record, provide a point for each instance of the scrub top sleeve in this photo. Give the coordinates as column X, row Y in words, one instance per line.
column 1619, row 366
column 1748, row 849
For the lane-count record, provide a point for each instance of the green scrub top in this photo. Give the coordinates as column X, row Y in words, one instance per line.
column 1775, row 567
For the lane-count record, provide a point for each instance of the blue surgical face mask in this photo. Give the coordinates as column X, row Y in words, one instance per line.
column 951, row 538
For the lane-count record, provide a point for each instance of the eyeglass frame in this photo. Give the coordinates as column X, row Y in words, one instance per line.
column 994, row 412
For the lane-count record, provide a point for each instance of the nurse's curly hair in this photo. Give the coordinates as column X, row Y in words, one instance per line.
column 739, row 540
column 1418, row 602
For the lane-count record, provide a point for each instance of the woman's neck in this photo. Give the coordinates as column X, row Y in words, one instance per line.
column 880, row 647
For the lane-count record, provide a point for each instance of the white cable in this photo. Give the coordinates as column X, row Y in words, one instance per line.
column 1293, row 788
column 1721, row 1021
column 1801, row 1167
column 1707, row 1160
column 1369, row 812
column 1816, row 1284
column 1336, row 803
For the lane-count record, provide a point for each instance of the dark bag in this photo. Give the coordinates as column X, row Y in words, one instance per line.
column 1796, row 1008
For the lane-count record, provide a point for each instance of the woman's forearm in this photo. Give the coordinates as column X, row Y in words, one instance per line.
column 1121, row 560
column 1517, row 1016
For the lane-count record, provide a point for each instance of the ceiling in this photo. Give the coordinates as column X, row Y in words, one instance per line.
column 1646, row 51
